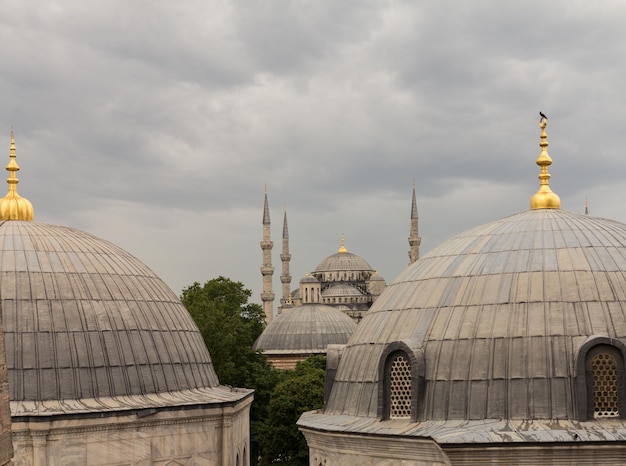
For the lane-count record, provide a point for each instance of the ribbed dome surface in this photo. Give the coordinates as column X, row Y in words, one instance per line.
column 343, row 261
column 500, row 313
column 308, row 328
column 85, row 319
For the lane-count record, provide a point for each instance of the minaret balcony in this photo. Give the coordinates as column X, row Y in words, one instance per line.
column 265, row 270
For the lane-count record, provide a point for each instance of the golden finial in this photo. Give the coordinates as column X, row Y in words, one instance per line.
column 13, row 206
column 544, row 198
column 343, row 249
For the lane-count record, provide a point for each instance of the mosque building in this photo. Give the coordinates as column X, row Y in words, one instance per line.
column 105, row 365
column 504, row 345
column 343, row 280
column 328, row 303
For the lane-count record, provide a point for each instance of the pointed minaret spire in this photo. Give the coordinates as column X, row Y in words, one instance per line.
column 13, row 206
column 586, row 206
column 544, row 198
column 267, row 271
column 266, row 210
column 414, row 238
column 285, row 277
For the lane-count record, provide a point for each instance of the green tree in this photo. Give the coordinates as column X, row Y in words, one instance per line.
column 230, row 326
column 301, row 390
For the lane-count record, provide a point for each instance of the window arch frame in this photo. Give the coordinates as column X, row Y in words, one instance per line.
column 414, row 354
column 584, row 390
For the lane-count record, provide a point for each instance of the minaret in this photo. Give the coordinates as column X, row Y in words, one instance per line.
column 414, row 238
column 285, row 277
column 544, row 198
column 13, row 206
column 586, row 206
column 267, row 271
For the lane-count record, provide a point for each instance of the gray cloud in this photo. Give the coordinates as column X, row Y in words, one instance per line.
column 156, row 125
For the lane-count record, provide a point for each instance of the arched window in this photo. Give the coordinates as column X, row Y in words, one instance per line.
column 399, row 385
column 401, row 380
column 604, row 371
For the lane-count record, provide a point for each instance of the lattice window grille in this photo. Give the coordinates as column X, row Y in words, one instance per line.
column 400, row 388
column 605, row 387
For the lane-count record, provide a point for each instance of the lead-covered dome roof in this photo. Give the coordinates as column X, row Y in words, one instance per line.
column 83, row 319
column 496, row 318
column 307, row 329
column 343, row 261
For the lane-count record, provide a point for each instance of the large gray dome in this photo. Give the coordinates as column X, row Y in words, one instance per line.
column 496, row 321
column 84, row 319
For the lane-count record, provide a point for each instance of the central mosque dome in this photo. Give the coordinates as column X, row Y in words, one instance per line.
column 343, row 261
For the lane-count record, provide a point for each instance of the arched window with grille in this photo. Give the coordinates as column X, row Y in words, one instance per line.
column 601, row 391
column 604, row 367
column 402, row 370
column 399, row 378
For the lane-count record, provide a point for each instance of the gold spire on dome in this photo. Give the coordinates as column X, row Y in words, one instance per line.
column 343, row 249
column 544, row 198
column 13, row 206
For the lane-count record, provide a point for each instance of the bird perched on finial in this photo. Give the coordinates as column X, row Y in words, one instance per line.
column 542, row 115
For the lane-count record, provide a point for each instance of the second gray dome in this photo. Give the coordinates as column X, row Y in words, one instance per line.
column 308, row 328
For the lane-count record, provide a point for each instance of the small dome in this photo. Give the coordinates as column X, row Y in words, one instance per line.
column 344, row 262
column 376, row 277
column 83, row 319
column 308, row 328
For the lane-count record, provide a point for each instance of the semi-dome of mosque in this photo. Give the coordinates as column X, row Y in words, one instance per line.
column 105, row 365
column 304, row 330
column 504, row 345
column 341, row 290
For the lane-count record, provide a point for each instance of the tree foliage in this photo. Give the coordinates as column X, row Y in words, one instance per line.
column 301, row 390
column 229, row 325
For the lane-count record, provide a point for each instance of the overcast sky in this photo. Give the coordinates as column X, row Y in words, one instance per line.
column 156, row 124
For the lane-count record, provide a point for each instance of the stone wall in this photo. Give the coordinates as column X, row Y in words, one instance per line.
column 216, row 436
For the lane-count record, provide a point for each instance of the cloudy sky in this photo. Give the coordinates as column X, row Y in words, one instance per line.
column 156, row 124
